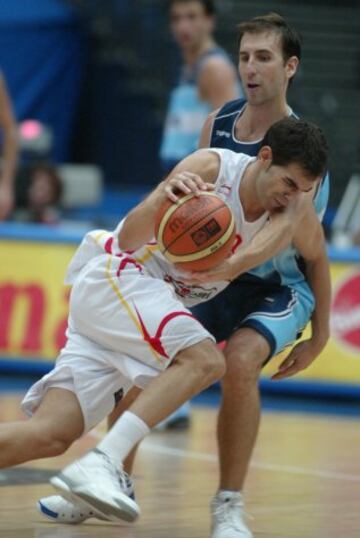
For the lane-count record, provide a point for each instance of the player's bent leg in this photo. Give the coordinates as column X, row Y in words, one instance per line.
column 94, row 478
column 238, row 423
column 193, row 369
column 60, row 510
column 55, row 425
column 179, row 420
column 239, row 413
column 120, row 408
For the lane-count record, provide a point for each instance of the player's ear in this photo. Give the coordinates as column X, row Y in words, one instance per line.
column 265, row 155
column 291, row 66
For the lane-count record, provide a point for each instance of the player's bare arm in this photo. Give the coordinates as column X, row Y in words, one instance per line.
column 217, row 82
column 205, row 135
column 275, row 236
column 10, row 151
column 311, row 244
column 195, row 173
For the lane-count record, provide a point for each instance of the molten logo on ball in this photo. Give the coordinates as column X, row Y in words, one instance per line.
column 345, row 316
column 204, row 233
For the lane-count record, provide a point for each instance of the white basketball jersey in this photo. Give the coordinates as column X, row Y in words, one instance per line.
column 232, row 168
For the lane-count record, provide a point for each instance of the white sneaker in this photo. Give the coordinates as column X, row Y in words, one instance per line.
column 59, row 510
column 227, row 508
column 93, row 482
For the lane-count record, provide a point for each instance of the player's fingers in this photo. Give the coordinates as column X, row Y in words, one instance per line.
column 201, row 184
column 170, row 193
column 286, row 372
column 183, row 183
column 287, row 362
column 192, row 184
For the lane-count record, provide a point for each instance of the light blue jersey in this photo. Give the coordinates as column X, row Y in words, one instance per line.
column 186, row 114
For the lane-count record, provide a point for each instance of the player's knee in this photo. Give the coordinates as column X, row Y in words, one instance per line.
column 58, row 446
column 205, row 361
column 214, row 363
column 49, row 441
column 243, row 366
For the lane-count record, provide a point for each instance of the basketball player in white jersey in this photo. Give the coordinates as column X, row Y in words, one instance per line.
column 129, row 320
column 269, row 55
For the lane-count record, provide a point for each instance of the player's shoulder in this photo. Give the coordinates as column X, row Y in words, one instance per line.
column 231, row 107
column 216, row 60
column 229, row 157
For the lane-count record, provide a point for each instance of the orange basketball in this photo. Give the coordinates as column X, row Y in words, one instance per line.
column 197, row 232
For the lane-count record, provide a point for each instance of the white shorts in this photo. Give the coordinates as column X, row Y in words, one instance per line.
column 125, row 327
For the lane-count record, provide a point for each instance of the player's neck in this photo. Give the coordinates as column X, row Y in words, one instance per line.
column 256, row 120
column 191, row 55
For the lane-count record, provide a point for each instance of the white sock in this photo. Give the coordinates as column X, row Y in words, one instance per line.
column 228, row 494
column 127, row 431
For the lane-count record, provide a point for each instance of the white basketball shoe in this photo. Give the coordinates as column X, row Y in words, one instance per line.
column 93, row 482
column 227, row 509
column 59, row 510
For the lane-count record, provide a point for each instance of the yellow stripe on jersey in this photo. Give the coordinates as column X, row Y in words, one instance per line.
column 126, row 305
column 150, row 252
column 99, row 235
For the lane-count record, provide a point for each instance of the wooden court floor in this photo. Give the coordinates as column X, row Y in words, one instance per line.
column 304, row 481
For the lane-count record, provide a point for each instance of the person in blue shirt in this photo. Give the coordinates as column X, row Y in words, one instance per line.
column 264, row 309
column 207, row 80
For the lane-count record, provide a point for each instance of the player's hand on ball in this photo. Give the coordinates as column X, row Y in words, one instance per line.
column 222, row 272
column 301, row 356
column 185, row 183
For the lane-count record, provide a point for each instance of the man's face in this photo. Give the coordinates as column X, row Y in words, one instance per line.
column 262, row 68
column 278, row 185
column 190, row 24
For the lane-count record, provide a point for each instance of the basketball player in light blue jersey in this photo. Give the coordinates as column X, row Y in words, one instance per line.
column 207, row 80
column 265, row 309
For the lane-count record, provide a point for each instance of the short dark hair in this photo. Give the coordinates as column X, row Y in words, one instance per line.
column 300, row 142
column 208, row 5
column 273, row 22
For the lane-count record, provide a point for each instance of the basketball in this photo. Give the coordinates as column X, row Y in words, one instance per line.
column 197, row 233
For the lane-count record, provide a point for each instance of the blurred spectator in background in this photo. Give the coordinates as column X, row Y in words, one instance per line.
column 39, row 189
column 9, row 152
column 207, row 80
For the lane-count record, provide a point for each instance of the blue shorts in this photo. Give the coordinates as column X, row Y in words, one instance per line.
column 279, row 313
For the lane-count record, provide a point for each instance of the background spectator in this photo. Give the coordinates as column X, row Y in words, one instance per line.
column 39, row 191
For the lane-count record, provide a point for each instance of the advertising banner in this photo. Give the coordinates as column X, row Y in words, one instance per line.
column 34, row 302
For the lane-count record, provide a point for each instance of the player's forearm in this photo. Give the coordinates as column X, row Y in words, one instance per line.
column 267, row 243
column 138, row 227
column 318, row 274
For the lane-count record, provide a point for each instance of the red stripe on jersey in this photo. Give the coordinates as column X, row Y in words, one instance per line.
column 125, row 261
column 108, row 245
column 155, row 341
